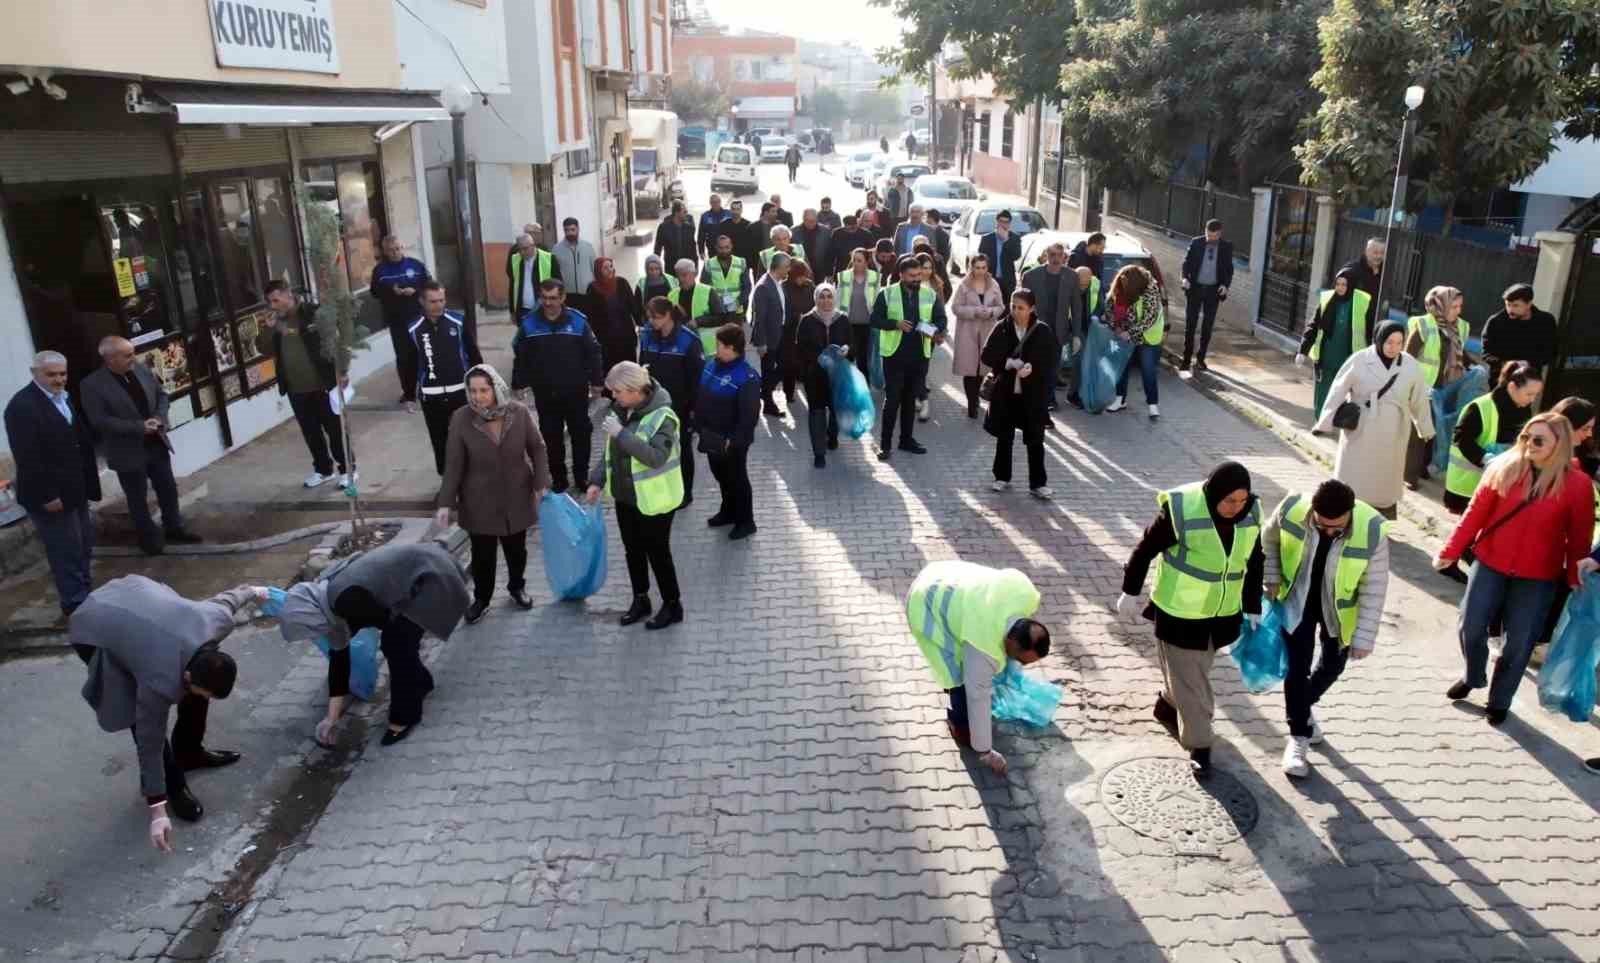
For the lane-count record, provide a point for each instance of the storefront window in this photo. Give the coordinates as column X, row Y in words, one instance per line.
column 237, row 237
column 197, row 278
column 275, row 214
column 353, row 191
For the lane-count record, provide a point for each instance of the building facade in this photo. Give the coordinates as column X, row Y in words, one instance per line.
column 760, row 72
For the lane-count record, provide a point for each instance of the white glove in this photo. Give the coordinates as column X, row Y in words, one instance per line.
column 1254, row 619
column 324, row 735
column 1300, row 360
column 441, row 518
column 262, row 593
column 612, row 426
column 844, row 351
column 1012, row 364
column 1127, row 604
column 1186, row 284
column 995, row 762
column 160, row 828
column 1077, row 344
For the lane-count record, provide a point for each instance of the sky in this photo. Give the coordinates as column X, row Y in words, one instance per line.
column 870, row 27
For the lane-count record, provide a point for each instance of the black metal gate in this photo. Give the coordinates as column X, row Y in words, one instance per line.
column 1286, row 282
column 1577, row 366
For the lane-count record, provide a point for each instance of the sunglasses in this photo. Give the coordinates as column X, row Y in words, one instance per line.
column 1535, row 441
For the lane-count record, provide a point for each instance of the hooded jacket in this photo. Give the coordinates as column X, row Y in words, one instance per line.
column 627, row 446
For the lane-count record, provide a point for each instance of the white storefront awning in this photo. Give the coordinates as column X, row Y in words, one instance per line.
column 195, row 104
column 766, row 108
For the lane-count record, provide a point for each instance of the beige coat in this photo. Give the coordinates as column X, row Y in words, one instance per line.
column 491, row 485
column 1372, row 459
column 976, row 311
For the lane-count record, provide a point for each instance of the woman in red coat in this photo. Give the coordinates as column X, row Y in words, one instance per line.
column 1529, row 525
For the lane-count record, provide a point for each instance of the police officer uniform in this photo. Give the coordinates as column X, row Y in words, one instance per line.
column 445, row 350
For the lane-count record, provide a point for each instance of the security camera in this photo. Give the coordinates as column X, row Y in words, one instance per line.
column 19, row 86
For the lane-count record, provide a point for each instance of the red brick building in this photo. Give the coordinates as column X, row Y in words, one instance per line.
column 759, row 73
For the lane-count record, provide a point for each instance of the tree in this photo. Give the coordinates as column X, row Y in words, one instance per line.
column 1503, row 77
column 694, row 99
column 828, row 106
column 875, row 107
column 1018, row 45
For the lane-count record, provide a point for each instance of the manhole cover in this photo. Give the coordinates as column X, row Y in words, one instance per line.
column 1160, row 798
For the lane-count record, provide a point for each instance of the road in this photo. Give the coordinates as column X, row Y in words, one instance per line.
column 771, row 780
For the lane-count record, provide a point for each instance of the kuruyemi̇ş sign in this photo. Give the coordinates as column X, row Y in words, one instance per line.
column 275, row 34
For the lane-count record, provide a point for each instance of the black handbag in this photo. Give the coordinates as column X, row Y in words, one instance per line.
column 990, row 380
column 1348, row 415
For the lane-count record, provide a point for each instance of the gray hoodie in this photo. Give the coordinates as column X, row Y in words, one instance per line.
column 653, row 452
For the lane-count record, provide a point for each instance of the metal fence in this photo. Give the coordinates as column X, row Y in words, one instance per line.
column 1071, row 179
column 1287, row 278
column 1181, row 209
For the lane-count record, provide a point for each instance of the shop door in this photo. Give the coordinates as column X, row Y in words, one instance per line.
column 1287, row 280
column 1577, row 366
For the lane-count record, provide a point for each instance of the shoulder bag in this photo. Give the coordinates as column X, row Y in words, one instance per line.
column 990, row 380
column 1348, row 415
column 1454, row 572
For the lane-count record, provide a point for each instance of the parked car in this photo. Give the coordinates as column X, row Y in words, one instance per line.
column 950, row 196
column 858, row 167
column 774, row 148
column 1121, row 250
column 912, row 171
column 749, row 136
column 734, row 169
column 978, row 220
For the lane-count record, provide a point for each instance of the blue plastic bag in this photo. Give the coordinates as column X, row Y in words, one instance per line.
column 852, row 402
column 1448, row 401
column 1019, row 697
column 574, row 540
column 363, row 649
column 1260, row 653
column 1566, row 682
column 876, row 364
column 1102, row 361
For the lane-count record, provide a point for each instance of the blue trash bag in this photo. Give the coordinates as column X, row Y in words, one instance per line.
column 1104, row 357
column 1448, row 401
column 1566, row 682
column 1260, row 653
column 1019, row 697
column 574, row 538
column 852, row 402
column 363, row 649
column 876, row 365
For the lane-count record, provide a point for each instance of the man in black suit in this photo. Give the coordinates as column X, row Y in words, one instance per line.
column 127, row 408
column 1207, row 273
column 1005, row 250
column 768, row 309
column 57, row 476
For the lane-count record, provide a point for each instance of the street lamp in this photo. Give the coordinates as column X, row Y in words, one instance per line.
column 457, row 99
column 1414, row 98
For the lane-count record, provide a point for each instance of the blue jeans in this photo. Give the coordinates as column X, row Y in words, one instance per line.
column 1525, row 603
column 68, row 537
column 1148, row 358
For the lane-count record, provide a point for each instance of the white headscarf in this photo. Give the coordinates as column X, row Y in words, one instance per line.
column 826, row 287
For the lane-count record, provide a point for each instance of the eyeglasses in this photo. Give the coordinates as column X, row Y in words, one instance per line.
column 1535, row 441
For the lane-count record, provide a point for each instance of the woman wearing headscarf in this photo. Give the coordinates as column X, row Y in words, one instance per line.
column 799, row 297
column 642, row 474
column 821, row 327
column 1205, row 535
column 1438, row 340
column 655, row 283
column 1488, row 425
column 1022, row 353
column 495, row 472
column 977, row 305
column 1385, row 384
column 1336, row 332
column 614, row 313
column 401, row 590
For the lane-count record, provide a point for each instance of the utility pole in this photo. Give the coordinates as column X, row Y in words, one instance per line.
column 933, row 114
column 1036, row 149
column 1061, row 166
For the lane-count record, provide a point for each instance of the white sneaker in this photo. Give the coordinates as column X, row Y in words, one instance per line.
column 1001, row 486
column 924, row 410
column 1294, row 757
column 315, row 478
column 1155, row 412
column 1043, row 492
column 1316, row 731
column 1117, row 405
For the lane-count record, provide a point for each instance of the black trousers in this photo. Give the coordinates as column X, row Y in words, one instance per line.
column 1202, row 303
column 686, row 446
column 1305, row 685
column 405, row 358
column 957, row 715
column 515, row 548
column 1033, row 441
column 136, row 485
column 321, row 430
column 409, row 680
column 188, row 732
column 970, row 384
column 861, row 336
column 732, row 471
column 823, row 423
column 436, row 411
column 902, row 379
column 647, row 545
column 771, row 375
column 559, row 417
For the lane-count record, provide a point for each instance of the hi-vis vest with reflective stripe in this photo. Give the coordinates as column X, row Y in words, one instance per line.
column 542, row 262
column 699, row 299
column 795, row 252
column 954, row 603
column 1367, row 530
column 1359, row 302
column 1094, row 296
column 846, row 279
column 730, row 282
column 1432, row 344
column 889, row 341
column 1463, row 476
column 656, row 491
column 1195, row 579
column 1157, row 331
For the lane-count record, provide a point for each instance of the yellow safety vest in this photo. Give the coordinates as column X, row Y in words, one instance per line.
column 699, row 300
column 1094, row 296
column 730, row 282
column 1359, row 302
column 1157, row 331
column 889, row 341
column 1462, row 476
column 656, row 491
column 1196, row 579
column 1367, row 530
column 796, row 252
column 956, row 602
column 1432, row 344
column 542, row 274
column 844, row 280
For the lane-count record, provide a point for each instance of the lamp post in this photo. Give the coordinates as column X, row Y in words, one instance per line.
column 1414, row 98
column 457, row 99
column 734, row 110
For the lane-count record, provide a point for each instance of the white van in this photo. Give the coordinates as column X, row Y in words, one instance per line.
column 734, row 169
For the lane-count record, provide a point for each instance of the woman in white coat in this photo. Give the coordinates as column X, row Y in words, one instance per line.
column 1387, row 385
column 977, row 305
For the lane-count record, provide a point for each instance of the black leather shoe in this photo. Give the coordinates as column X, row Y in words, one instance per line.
column 744, row 530
column 915, row 447
column 719, row 519
column 1200, row 761
column 640, row 608
column 819, row 461
column 183, row 536
column 671, row 612
column 521, row 598
column 883, row 454
column 207, row 759
column 183, row 805
column 1496, row 717
column 1458, row 691
column 390, row 737
column 475, row 611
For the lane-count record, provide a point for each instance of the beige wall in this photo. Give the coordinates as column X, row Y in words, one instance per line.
column 172, row 39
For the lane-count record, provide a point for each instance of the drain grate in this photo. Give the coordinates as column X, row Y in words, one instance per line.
column 1160, row 798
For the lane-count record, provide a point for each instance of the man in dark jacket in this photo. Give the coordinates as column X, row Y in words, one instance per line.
column 1005, row 250
column 743, row 234
column 940, row 237
column 674, row 356
column 826, row 215
column 846, row 240
column 727, row 407
column 907, row 332
column 558, row 357
column 1059, row 302
column 675, row 237
column 815, row 239
column 768, row 309
column 1207, row 274
column 710, row 229
column 780, row 215
column 445, row 350
column 394, row 283
column 1367, row 271
column 1090, row 253
column 1518, row 332
column 306, row 375
column 56, row 474
column 898, row 200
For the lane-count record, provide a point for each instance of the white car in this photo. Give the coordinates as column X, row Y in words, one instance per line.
column 978, row 220
column 1121, row 250
column 774, row 148
column 858, row 170
column 950, row 196
column 734, row 169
